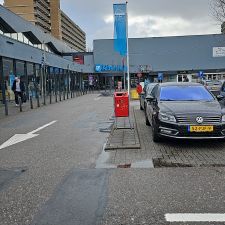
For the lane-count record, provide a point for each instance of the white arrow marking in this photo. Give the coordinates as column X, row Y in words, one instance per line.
column 17, row 138
column 195, row 217
column 97, row 99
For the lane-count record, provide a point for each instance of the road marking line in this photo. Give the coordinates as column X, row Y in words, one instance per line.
column 40, row 128
column 195, row 217
column 17, row 138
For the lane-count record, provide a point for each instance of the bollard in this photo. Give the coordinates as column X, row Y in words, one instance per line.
column 31, row 103
column 20, row 103
column 64, row 95
column 38, row 101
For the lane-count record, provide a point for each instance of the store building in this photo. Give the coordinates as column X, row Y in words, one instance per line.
column 174, row 57
column 38, row 58
column 25, row 48
column 51, row 19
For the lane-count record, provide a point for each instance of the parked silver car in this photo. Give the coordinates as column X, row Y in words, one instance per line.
column 213, row 86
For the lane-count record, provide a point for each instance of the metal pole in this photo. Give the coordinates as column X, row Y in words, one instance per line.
column 128, row 63
column 124, row 75
column 2, row 79
column 44, row 76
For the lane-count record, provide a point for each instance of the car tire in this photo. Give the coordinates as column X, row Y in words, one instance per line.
column 146, row 120
column 155, row 134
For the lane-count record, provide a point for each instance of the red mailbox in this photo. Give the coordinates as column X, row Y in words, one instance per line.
column 121, row 104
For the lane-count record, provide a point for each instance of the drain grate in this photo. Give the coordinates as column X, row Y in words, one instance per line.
column 160, row 163
column 124, row 166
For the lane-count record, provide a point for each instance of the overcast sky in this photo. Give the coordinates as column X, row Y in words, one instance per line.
column 147, row 18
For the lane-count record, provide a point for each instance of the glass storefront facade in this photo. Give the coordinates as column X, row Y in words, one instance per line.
column 43, row 84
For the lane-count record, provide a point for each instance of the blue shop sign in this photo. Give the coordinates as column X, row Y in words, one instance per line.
column 160, row 76
column 103, row 68
column 201, row 74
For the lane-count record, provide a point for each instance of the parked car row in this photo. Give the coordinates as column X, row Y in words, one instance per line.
column 183, row 111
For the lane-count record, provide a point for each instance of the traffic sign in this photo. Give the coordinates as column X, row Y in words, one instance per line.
column 160, row 76
column 201, row 74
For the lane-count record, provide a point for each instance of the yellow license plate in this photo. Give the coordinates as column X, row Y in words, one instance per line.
column 201, row 129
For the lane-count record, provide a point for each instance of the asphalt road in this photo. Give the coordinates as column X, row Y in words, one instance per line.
column 51, row 178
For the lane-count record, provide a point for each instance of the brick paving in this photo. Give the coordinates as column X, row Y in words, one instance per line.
column 124, row 135
column 168, row 152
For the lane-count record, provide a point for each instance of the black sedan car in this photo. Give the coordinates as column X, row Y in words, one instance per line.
column 184, row 110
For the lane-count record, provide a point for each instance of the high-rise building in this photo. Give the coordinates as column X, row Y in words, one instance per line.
column 48, row 15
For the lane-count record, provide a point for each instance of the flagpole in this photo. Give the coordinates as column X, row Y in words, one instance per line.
column 128, row 63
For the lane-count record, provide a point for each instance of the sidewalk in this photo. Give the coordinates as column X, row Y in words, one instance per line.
column 135, row 148
column 13, row 109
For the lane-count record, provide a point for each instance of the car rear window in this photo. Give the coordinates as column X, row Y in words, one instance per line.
column 185, row 93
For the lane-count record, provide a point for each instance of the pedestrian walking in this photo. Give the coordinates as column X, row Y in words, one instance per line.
column 18, row 88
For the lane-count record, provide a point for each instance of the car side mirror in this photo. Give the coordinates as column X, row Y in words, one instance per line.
column 150, row 98
column 220, row 97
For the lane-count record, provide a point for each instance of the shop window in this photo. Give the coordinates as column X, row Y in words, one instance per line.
column 20, row 37
column 8, row 77
column 14, row 36
column 25, row 40
column 20, row 72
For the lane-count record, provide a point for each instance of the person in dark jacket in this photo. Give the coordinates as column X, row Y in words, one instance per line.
column 18, row 88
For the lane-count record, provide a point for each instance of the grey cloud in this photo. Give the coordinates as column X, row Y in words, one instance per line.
column 90, row 16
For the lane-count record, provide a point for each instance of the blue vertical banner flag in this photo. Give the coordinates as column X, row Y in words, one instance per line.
column 120, row 28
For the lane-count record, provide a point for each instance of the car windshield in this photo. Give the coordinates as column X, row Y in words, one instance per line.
column 185, row 93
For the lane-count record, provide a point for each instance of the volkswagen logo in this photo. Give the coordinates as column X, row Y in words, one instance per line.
column 199, row 119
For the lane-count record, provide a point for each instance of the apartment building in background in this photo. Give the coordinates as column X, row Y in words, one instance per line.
column 48, row 15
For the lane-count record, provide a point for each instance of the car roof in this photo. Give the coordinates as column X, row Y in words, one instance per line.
column 179, row 84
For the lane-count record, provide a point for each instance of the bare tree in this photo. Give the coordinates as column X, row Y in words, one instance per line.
column 218, row 10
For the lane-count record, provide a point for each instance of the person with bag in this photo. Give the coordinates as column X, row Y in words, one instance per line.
column 19, row 90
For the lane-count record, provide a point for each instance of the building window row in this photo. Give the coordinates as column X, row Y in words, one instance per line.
column 22, row 38
column 36, row 78
column 75, row 29
column 69, row 39
column 70, row 23
column 73, row 36
column 77, row 47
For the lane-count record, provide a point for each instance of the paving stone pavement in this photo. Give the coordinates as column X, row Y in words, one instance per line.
column 124, row 135
column 168, row 152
